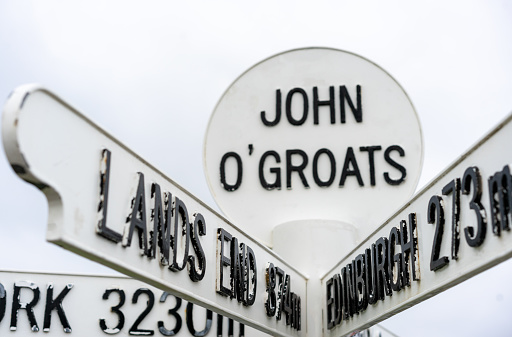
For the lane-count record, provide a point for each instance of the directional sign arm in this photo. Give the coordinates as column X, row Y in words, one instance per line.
column 109, row 205
column 455, row 228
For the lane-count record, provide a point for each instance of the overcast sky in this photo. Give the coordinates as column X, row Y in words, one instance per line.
column 151, row 73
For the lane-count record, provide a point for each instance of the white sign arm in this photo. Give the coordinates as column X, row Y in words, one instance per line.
column 455, row 228
column 109, row 205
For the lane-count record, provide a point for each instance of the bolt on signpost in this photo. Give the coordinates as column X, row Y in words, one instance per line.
column 311, row 150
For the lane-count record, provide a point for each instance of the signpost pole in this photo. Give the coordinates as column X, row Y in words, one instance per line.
column 313, row 246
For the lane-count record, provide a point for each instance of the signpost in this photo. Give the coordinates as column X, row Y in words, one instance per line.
column 87, row 305
column 300, row 146
column 455, row 228
column 312, row 134
column 94, row 305
column 111, row 206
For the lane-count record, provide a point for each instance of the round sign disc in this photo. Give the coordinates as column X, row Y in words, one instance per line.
column 312, row 133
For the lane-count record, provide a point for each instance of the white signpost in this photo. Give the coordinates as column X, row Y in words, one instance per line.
column 455, row 228
column 111, row 206
column 87, row 305
column 95, row 305
column 302, row 144
column 312, row 134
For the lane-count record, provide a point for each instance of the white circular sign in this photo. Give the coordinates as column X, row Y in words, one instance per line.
column 312, row 133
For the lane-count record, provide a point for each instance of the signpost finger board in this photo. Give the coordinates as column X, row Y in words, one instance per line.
column 455, row 228
column 96, row 305
column 111, row 206
column 87, row 305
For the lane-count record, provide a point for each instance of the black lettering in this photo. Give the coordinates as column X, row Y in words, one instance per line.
column 239, row 173
column 305, row 105
column 395, row 260
column 338, row 299
column 251, row 277
column 116, row 310
column 360, row 283
column 371, row 160
column 370, row 275
column 296, row 321
column 231, row 330
column 381, row 268
column 157, row 217
column 350, row 160
column 409, row 250
column 56, row 304
column 330, row 303
column 453, row 187
column 137, row 218
column 161, row 217
column 237, row 270
column 3, row 301
column 134, row 329
column 435, row 215
column 357, row 112
column 189, row 313
column 241, row 330
column 271, row 301
column 349, row 296
column 280, row 281
column 173, row 312
column 222, row 261
column 281, row 300
column 473, row 178
column 181, row 229
column 500, row 193
column 17, row 305
column 278, row 112
column 220, row 320
column 197, row 228
column 275, row 170
column 290, row 167
column 102, row 228
column 393, row 163
column 286, row 299
column 332, row 161
column 317, row 103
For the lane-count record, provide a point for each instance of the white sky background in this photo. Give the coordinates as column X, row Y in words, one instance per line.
column 151, row 73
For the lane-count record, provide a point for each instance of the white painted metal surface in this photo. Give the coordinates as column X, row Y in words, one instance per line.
column 103, row 205
column 446, row 255
column 75, row 305
column 431, row 244
column 308, row 245
column 313, row 133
